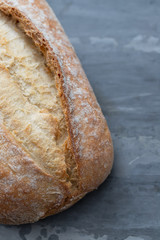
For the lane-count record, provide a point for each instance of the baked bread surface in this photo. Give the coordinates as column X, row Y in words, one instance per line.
column 55, row 145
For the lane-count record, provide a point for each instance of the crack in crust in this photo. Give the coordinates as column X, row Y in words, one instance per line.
column 29, row 102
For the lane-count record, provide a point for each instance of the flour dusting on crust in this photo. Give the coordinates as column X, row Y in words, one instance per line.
column 78, row 93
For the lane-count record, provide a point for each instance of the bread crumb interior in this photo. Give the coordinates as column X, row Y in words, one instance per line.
column 30, row 107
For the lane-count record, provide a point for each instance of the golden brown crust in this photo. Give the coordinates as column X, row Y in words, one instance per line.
column 26, row 192
column 90, row 141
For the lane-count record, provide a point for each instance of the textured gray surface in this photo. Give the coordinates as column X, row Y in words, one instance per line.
column 118, row 44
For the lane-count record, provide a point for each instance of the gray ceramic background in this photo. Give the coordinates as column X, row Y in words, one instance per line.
column 118, row 42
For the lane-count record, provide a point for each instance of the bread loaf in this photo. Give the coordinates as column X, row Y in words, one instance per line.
column 55, row 145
